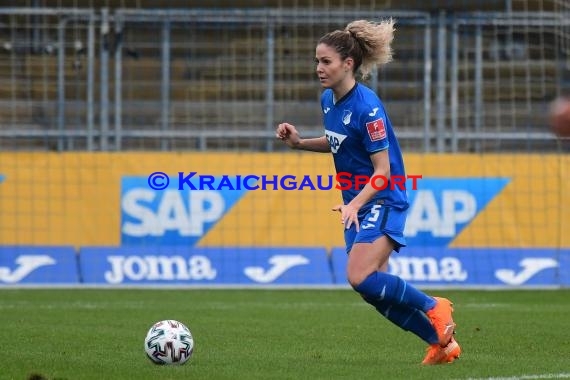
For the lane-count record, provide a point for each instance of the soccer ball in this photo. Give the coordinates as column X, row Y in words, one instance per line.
column 169, row 342
column 560, row 117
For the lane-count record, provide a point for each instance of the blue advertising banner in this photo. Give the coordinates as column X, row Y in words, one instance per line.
column 465, row 267
column 564, row 267
column 177, row 265
column 38, row 265
column 158, row 210
column 441, row 208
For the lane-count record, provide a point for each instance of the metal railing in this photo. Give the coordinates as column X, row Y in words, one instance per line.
column 438, row 128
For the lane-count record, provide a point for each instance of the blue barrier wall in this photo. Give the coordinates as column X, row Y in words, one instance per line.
column 285, row 266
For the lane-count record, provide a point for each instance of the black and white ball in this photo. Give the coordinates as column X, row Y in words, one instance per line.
column 169, row 342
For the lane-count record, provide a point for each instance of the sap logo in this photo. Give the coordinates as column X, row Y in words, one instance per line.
column 171, row 213
column 530, row 267
column 427, row 268
column 335, row 140
column 279, row 265
column 441, row 216
column 171, row 216
column 442, row 207
column 159, row 268
column 26, row 265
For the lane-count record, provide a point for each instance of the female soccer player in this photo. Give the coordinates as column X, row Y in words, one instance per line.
column 359, row 134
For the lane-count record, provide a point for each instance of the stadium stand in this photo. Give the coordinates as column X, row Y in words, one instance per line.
column 516, row 85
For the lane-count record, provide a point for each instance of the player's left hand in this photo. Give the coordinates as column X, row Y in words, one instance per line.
column 348, row 215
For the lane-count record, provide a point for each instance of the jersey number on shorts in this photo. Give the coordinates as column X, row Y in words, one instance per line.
column 375, row 211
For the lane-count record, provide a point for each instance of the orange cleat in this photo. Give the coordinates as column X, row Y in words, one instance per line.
column 442, row 321
column 442, row 355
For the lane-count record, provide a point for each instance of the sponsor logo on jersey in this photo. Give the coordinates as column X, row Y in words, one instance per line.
column 335, row 140
column 376, row 129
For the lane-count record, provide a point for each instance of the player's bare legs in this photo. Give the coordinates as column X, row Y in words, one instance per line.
column 366, row 258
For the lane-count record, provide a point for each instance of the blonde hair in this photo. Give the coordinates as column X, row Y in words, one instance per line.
column 367, row 42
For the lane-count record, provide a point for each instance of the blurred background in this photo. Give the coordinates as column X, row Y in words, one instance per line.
column 468, row 76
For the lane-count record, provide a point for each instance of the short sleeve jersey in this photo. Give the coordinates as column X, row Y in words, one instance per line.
column 357, row 126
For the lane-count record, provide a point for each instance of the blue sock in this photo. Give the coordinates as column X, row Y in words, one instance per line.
column 380, row 286
column 407, row 318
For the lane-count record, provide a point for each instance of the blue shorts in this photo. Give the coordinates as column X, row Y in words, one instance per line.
column 380, row 220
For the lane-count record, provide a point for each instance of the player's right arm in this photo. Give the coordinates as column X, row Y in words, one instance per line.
column 288, row 134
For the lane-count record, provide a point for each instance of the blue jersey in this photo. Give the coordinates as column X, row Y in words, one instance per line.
column 357, row 126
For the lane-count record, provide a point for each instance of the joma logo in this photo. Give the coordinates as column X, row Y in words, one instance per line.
column 427, row 269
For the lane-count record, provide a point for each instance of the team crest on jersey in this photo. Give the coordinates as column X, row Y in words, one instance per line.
column 376, row 129
column 346, row 117
column 335, row 139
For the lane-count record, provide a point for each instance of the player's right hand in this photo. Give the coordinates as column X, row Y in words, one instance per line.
column 288, row 134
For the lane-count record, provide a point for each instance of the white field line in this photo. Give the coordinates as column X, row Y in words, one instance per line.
column 526, row 377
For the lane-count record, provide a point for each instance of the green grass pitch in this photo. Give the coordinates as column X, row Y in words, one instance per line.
column 275, row 334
